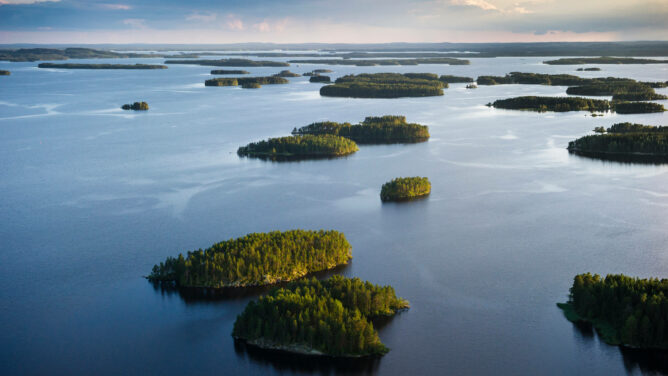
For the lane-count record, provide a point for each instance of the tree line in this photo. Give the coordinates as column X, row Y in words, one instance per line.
column 634, row 311
column 331, row 316
column 400, row 189
column 245, row 81
column 383, row 85
column 373, row 130
column 256, row 259
column 305, row 146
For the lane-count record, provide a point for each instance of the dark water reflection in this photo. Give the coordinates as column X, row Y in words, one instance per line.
column 196, row 295
column 284, row 361
column 643, row 360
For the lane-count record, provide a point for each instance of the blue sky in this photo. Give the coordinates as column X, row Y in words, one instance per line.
column 352, row 21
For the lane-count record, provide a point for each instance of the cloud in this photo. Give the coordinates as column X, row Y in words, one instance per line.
column 114, row 6
column 202, row 17
column 268, row 26
column 25, row 2
column 234, row 23
column 482, row 4
column 137, row 23
column 262, row 26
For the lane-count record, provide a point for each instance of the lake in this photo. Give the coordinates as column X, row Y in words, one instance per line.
column 91, row 197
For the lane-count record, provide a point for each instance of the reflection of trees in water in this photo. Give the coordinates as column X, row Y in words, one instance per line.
column 284, row 361
column 194, row 295
column 643, row 360
column 630, row 159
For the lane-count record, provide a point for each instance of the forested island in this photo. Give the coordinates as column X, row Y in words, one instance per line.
column 256, row 259
column 318, row 78
column 137, row 106
column 286, row 73
column 561, row 80
column 603, row 60
column 634, row 128
column 404, row 189
column 230, row 63
column 637, row 107
column 593, row 69
column 383, row 85
column 563, row 104
column 625, row 141
column 100, row 66
column 316, row 72
column 36, row 54
column 624, row 310
column 388, row 129
column 557, row 104
column 246, row 82
column 330, row 317
column 623, row 90
column 229, row 71
column 5, row 73
column 299, row 147
column 374, row 62
column 449, row 79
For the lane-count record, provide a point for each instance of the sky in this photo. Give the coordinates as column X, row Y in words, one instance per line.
column 338, row 21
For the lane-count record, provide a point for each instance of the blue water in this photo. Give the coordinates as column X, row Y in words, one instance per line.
column 92, row 196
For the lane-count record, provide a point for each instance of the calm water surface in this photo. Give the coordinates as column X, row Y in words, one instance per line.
column 92, row 196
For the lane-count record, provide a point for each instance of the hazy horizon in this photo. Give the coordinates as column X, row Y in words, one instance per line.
column 346, row 21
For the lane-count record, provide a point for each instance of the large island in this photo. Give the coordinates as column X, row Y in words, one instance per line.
column 564, row 104
column 624, row 310
column 230, row 63
column 383, row 85
column 374, row 62
column 603, row 60
column 299, row 147
column 246, row 82
column 311, row 317
column 100, row 66
column 388, row 129
column 625, row 141
column 256, row 259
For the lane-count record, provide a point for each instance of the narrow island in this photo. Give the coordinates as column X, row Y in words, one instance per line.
column 388, row 129
column 318, row 78
column 35, row 54
column 299, row 147
column 623, row 90
column 593, row 69
column 626, row 142
column 100, row 66
column 137, row 106
column 256, row 259
column 383, row 85
column 556, row 104
column 229, row 71
column 625, row 311
column 320, row 318
column 230, row 63
column 316, row 72
column 246, row 82
column 564, row 104
column 603, row 60
column 564, row 80
column 5, row 73
column 374, row 62
column 405, row 189
column 449, row 79
column 286, row 73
